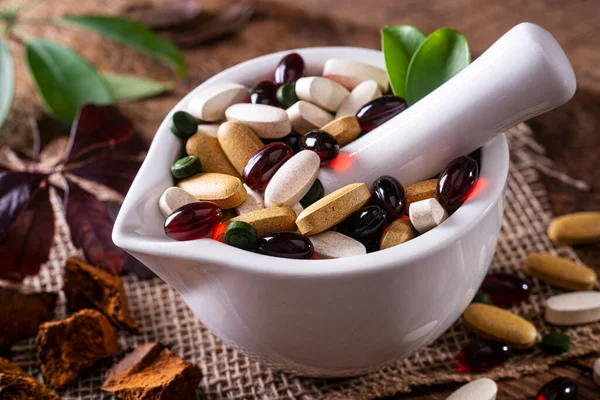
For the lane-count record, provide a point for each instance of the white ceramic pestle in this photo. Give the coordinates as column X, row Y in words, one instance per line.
column 524, row 74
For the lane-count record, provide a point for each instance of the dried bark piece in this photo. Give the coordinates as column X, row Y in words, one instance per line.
column 67, row 348
column 22, row 313
column 152, row 372
column 87, row 286
column 17, row 385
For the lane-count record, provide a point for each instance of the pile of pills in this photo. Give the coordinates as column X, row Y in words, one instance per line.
column 249, row 177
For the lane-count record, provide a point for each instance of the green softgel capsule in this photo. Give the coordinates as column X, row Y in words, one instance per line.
column 556, row 343
column 482, row 298
column 241, row 235
column 186, row 167
column 183, row 125
column 316, row 192
column 286, row 95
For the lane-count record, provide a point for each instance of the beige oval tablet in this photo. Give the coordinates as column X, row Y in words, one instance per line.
column 226, row 191
column 330, row 244
column 398, row 232
column 420, row 191
column 492, row 322
column 172, row 199
column 322, row 92
column 267, row 122
column 574, row 308
column 363, row 93
column 479, row 389
column 305, row 116
column 560, row 272
column 210, row 153
column 239, row 143
column 350, row 73
column 333, row 208
column 293, row 179
column 576, row 228
column 254, row 201
column 344, row 129
column 210, row 104
column 269, row 220
column 209, row 129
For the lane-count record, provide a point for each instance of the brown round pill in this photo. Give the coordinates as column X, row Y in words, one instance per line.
column 226, row 191
column 239, row 143
column 210, row 153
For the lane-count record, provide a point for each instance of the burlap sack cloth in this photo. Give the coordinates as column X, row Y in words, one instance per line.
column 163, row 316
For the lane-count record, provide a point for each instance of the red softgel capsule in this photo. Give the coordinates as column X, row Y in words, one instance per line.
column 456, row 182
column 290, row 69
column 482, row 355
column 378, row 111
column 322, row 143
column 505, row 290
column 558, row 389
column 193, row 221
column 262, row 166
column 265, row 92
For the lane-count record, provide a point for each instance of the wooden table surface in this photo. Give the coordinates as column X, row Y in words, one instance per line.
column 571, row 134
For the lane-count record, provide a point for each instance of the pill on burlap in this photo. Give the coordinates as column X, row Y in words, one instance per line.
column 270, row 220
column 560, row 271
column 210, row 153
column 293, row 180
column 209, row 129
column 268, row 122
column 333, row 208
column 426, row 214
column 322, row 92
column 576, row 228
column 254, row 201
column 226, row 191
column 172, row 199
column 239, row 143
column 344, row 129
column 556, row 343
column 491, row 322
column 398, row 232
column 330, row 244
column 350, row 73
column 574, row 308
column 305, row 117
column 362, row 94
column 420, row 191
column 210, row 104
column 479, row 389
column 597, row 372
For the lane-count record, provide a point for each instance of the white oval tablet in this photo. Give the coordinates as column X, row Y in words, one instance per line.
column 172, row 199
column 363, row 93
column 297, row 208
column 573, row 308
column 267, row 122
column 322, row 92
column 426, row 214
column 210, row 104
column 293, row 180
column 209, row 129
column 479, row 389
column 305, row 116
column 350, row 73
column 254, row 201
column 330, row 244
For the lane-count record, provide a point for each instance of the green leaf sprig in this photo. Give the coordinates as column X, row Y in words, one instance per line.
column 418, row 64
column 66, row 81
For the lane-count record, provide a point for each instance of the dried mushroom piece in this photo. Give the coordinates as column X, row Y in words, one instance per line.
column 17, row 385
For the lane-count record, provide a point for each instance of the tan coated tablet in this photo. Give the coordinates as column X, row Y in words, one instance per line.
column 560, row 271
column 344, row 129
column 323, row 92
column 210, row 104
column 576, row 228
column 305, row 116
column 420, row 191
column 491, row 322
column 226, row 191
column 239, row 143
column 210, row 153
column 332, row 209
column 270, row 220
column 267, row 122
column 398, row 232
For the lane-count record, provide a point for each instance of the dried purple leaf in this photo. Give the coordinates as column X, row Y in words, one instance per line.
column 16, row 189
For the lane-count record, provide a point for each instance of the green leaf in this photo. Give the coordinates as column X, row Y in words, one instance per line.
column 7, row 80
column 132, row 34
column 441, row 56
column 64, row 79
column 132, row 88
column 399, row 43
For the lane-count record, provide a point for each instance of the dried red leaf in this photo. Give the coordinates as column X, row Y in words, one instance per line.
column 160, row 16
column 27, row 244
column 209, row 27
column 16, row 189
column 96, row 127
column 45, row 130
column 91, row 228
